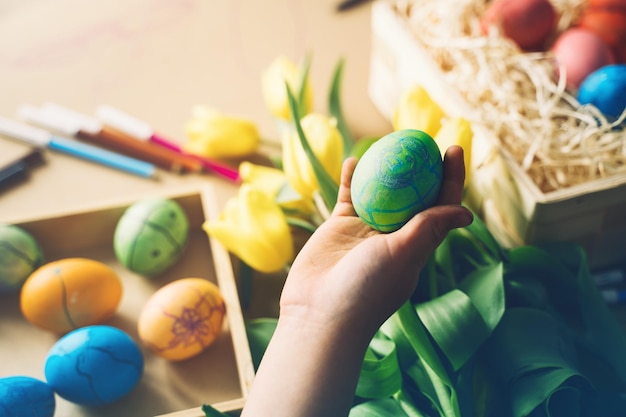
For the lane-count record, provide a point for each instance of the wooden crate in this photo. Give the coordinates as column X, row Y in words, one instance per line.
column 515, row 209
column 220, row 376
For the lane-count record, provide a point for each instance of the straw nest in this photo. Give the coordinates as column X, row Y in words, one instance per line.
column 519, row 96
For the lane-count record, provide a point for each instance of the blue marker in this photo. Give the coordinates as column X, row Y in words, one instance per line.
column 42, row 138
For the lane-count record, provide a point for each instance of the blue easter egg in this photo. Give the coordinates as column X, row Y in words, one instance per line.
column 94, row 365
column 605, row 88
column 398, row 176
column 25, row 396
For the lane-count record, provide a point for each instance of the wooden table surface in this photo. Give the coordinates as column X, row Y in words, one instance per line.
column 156, row 60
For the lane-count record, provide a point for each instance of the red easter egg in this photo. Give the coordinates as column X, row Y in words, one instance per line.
column 528, row 23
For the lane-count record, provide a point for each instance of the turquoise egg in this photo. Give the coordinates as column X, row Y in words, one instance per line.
column 26, row 396
column 151, row 236
column 398, row 176
column 605, row 88
column 94, row 365
column 20, row 255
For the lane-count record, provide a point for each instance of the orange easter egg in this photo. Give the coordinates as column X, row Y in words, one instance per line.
column 607, row 19
column 182, row 318
column 70, row 293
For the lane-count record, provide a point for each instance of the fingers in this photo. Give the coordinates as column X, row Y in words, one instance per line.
column 344, row 199
column 419, row 238
column 453, row 177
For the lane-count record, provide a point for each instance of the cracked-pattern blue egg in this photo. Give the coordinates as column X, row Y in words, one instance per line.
column 94, row 365
column 398, row 176
column 26, row 396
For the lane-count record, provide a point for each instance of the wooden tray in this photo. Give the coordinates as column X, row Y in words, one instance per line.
column 219, row 376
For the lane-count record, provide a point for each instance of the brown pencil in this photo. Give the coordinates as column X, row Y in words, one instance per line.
column 115, row 140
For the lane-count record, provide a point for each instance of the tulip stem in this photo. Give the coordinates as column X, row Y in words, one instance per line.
column 302, row 224
column 321, row 206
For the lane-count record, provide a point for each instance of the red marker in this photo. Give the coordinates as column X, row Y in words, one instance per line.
column 142, row 131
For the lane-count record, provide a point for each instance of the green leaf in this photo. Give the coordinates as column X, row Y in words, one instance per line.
column 304, row 76
column 301, row 223
column 245, row 278
column 259, row 332
column 455, row 325
column 563, row 270
column 485, row 288
column 460, row 321
column 603, row 329
column 417, row 335
column 413, row 367
column 380, row 372
column 480, row 231
column 335, row 109
column 532, row 356
column 328, row 187
column 210, row 411
column 378, row 408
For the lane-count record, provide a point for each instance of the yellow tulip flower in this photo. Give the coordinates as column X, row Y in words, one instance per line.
column 457, row 131
column 267, row 179
column 416, row 110
column 255, row 229
column 282, row 70
column 327, row 145
column 274, row 183
column 215, row 135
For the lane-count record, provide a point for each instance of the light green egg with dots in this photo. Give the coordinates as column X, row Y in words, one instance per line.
column 20, row 255
column 151, row 236
column 397, row 177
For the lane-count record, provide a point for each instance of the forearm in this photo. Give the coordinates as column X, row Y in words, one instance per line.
column 307, row 371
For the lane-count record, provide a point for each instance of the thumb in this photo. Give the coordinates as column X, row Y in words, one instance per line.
column 420, row 236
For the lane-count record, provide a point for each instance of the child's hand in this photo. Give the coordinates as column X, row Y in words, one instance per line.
column 352, row 273
column 345, row 282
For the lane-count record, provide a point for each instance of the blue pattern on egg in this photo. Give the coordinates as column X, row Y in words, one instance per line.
column 397, row 177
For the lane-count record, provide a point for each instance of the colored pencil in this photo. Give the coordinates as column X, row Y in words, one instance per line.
column 136, row 128
column 41, row 138
column 91, row 130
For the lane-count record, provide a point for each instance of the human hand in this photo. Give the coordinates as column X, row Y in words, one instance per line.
column 354, row 277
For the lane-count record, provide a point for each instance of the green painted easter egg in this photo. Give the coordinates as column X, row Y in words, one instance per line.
column 151, row 235
column 20, row 255
column 397, row 177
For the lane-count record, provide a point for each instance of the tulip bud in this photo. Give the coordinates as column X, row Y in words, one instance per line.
column 416, row 110
column 327, row 145
column 215, row 135
column 269, row 180
column 281, row 71
column 274, row 183
column 457, row 131
column 255, row 229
